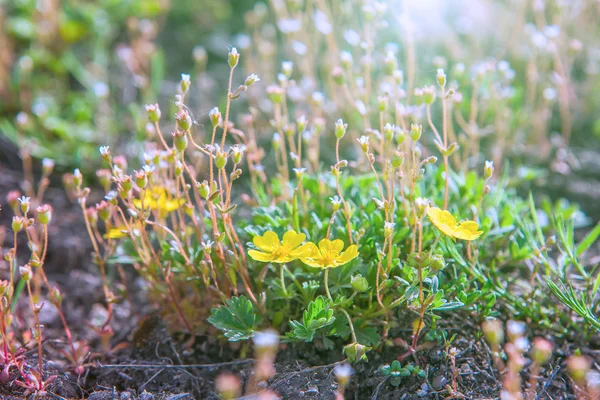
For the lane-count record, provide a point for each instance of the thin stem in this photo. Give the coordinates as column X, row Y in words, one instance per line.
column 281, row 277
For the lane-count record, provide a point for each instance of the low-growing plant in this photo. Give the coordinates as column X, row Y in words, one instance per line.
column 355, row 212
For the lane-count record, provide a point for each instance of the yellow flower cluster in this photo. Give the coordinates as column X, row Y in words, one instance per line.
column 328, row 254
column 158, row 198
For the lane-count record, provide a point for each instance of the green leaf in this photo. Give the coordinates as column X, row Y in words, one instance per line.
column 236, row 319
column 578, row 305
column 318, row 315
column 589, row 239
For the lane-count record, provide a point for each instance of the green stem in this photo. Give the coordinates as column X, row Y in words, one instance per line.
column 327, row 285
column 326, row 278
column 350, row 324
column 281, row 277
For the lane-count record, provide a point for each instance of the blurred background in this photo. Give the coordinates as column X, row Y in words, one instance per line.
column 76, row 74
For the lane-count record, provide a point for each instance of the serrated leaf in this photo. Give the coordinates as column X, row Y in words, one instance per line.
column 318, row 315
column 236, row 318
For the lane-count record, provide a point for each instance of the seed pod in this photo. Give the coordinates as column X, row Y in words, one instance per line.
column 359, row 283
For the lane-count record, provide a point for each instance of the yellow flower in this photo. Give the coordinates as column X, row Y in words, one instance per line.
column 159, row 199
column 445, row 222
column 276, row 251
column 116, row 233
column 329, row 254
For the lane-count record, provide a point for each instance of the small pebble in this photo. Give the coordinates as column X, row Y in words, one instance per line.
column 439, row 382
column 146, row 396
column 312, row 390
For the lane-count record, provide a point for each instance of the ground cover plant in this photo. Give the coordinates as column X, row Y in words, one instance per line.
column 347, row 200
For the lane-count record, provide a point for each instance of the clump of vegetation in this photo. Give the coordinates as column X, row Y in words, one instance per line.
column 363, row 207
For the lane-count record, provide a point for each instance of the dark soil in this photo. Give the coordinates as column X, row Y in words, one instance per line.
column 155, row 365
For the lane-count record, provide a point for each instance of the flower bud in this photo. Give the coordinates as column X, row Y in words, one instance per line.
column 340, row 128
column 266, row 343
column 4, row 287
column 25, row 204
column 299, row 172
column 346, row 59
column 421, row 205
column 153, row 111
column 203, row 189
column 238, row 152
column 126, row 183
column 103, row 209
column 541, row 351
column 47, row 166
column 493, row 332
column 183, row 119
column 25, row 272
column 276, row 141
column 337, row 74
column 356, row 352
column 388, row 132
column 343, row 373
column 44, row 214
column 12, row 198
column 359, row 283
column 450, row 150
column 233, row 58
column 221, row 159
column 215, row 116
column 275, row 93
column 141, row 180
column 437, row 262
column 287, row 68
column 441, row 78
column 184, row 83
column 301, row 123
column 488, row 169
column 178, row 168
column 578, row 367
column 251, row 80
column 382, row 103
column 180, row 140
column 55, row 296
column 77, row 177
column 364, row 143
column 430, row 160
column 429, row 95
column 390, row 63
column 397, row 159
column 228, row 386
column 336, row 202
column 416, row 131
column 17, row 224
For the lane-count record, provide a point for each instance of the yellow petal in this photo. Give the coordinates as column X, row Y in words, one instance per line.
column 260, row 256
column 467, row 230
column 314, row 262
column 326, row 245
column 306, row 250
column 116, row 233
column 442, row 220
column 267, row 241
column 172, row 205
column 350, row 254
column 292, row 239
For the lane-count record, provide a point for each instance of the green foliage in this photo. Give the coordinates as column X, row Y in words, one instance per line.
column 579, row 305
column 318, row 315
column 236, row 318
column 395, row 372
